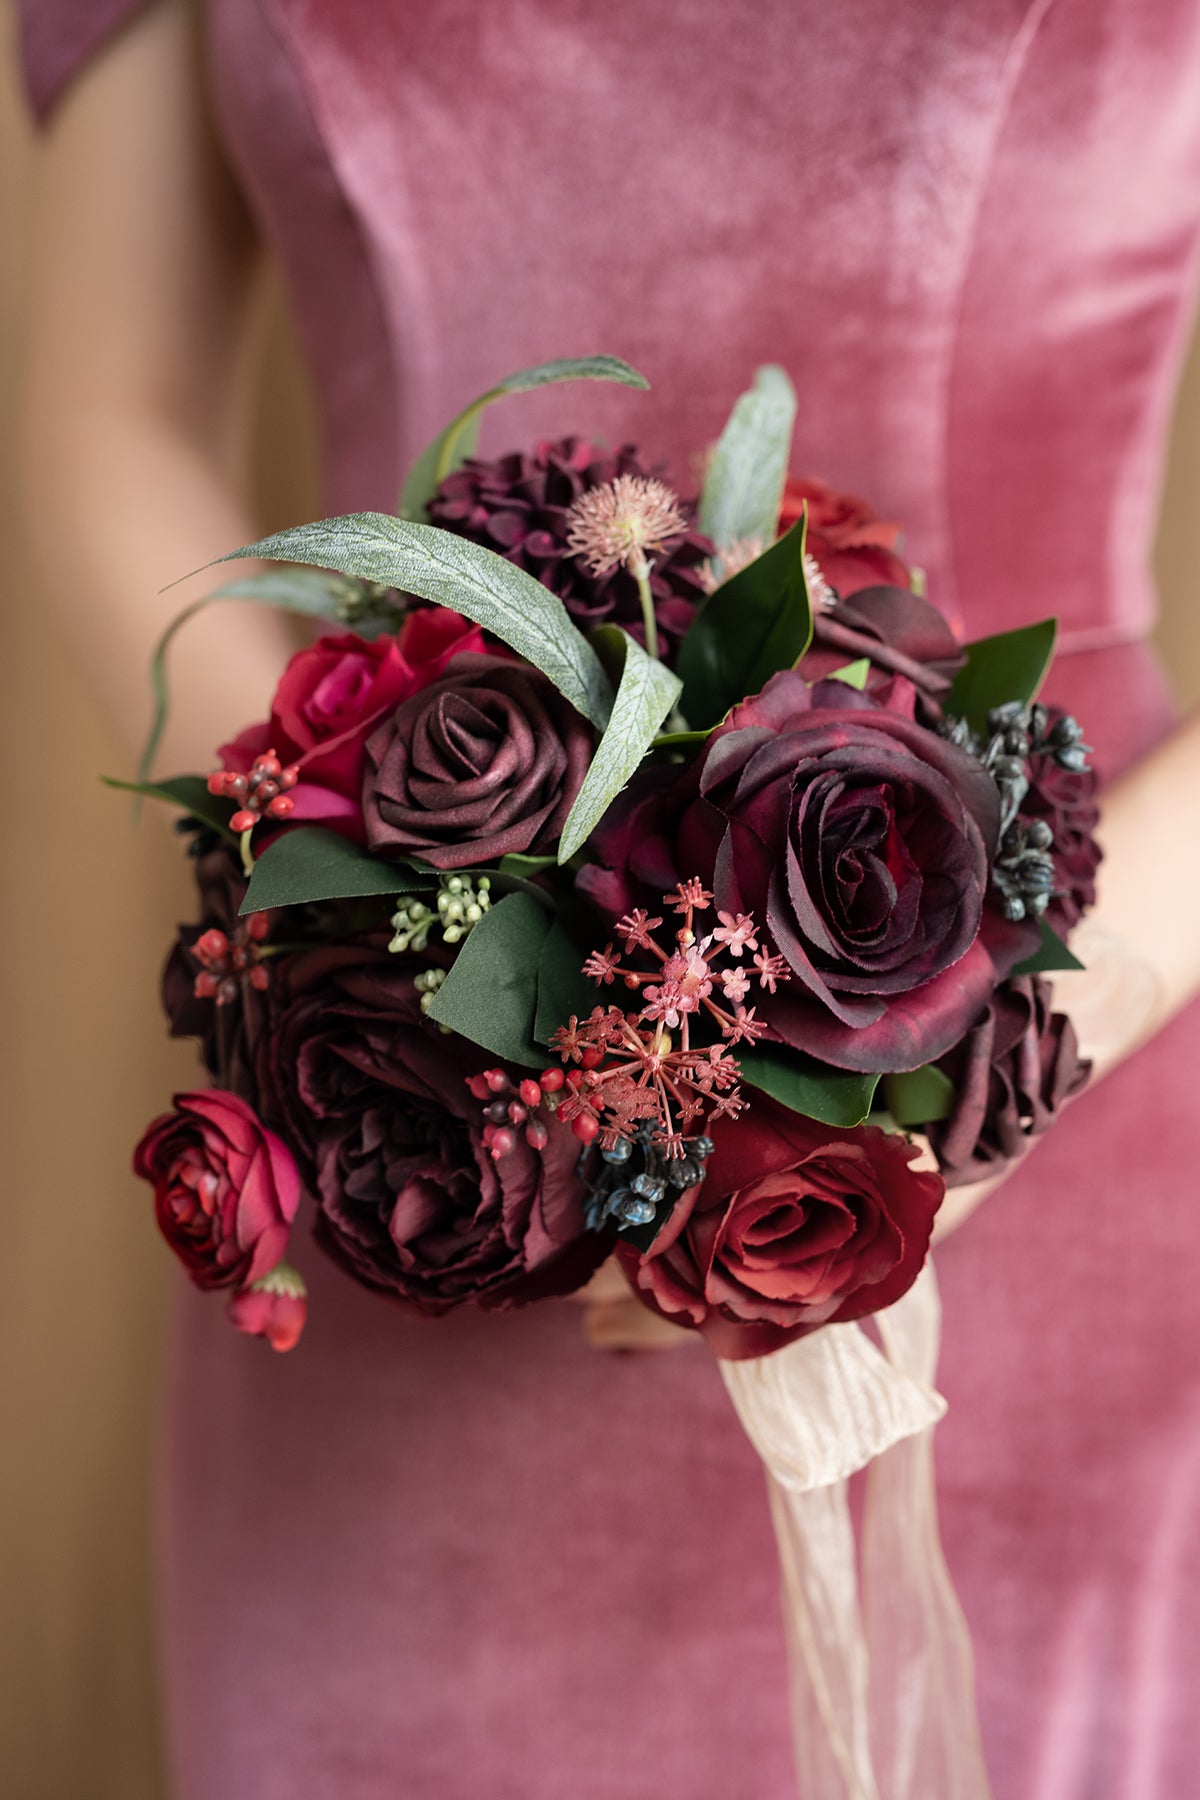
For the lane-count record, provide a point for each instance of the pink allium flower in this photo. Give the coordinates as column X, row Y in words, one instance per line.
column 622, row 522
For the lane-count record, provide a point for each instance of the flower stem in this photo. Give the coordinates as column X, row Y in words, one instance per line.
column 639, row 568
column 244, row 846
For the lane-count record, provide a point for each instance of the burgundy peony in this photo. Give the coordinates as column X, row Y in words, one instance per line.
column 1013, row 1071
column 518, row 506
column 861, row 838
column 373, row 1098
column 483, row 763
column 225, row 1188
column 798, row 1225
column 330, row 698
column 1066, row 799
column 852, row 546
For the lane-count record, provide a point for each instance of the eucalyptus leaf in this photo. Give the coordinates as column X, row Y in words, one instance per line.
column 834, row 1096
column 919, row 1096
column 749, row 466
column 854, row 674
column 490, row 991
column 645, row 695
column 1009, row 666
column 450, row 449
column 452, row 571
column 301, row 591
column 187, row 791
column 753, row 625
column 308, row 863
column 1051, row 954
column 563, row 990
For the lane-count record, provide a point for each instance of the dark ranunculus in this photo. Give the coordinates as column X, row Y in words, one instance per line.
column 852, row 546
column 863, row 842
column 374, row 1101
column 1066, row 799
column 1012, row 1071
column 798, row 1225
column 897, row 631
column 331, row 696
column 483, row 763
column 225, row 1188
column 517, row 505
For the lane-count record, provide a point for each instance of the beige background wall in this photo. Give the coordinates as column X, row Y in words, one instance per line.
column 85, row 910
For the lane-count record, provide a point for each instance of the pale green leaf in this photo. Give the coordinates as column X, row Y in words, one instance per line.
column 749, row 467
column 645, row 695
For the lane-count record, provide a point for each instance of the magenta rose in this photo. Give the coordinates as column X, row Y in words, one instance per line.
column 483, row 763
column 798, row 1225
column 373, row 1099
column 1013, row 1070
column 330, row 698
column 225, row 1188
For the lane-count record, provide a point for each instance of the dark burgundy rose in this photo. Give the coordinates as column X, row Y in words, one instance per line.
column 862, row 840
column 222, row 1030
column 1013, row 1071
column 483, row 763
column 852, row 546
column 373, row 1099
column 798, row 1225
column 330, row 698
column 1066, row 799
column 225, row 1188
column 517, row 506
column 898, row 632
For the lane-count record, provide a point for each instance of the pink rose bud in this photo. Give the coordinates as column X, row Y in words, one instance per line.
column 274, row 1308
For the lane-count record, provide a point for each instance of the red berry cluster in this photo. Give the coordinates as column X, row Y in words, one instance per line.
column 226, row 961
column 261, row 791
column 510, row 1106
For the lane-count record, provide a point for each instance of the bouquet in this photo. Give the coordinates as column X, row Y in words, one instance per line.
column 621, row 875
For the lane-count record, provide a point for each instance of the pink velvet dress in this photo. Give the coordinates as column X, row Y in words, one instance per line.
column 477, row 1558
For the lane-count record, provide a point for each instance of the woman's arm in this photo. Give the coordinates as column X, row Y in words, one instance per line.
column 142, row 272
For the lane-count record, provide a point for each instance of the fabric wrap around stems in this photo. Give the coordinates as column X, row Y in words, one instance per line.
column 882, row 1681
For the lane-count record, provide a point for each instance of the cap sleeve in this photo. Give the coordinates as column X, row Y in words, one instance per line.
column 55, row 38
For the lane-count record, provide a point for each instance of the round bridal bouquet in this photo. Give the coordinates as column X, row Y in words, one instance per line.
column 620, row 875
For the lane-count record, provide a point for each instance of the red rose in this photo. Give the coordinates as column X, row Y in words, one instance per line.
column 330, row 698
column 225, row 1188
column 798, row 1225
column 852, row 547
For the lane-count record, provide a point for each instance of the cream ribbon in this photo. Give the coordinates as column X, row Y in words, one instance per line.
column 882, row 1683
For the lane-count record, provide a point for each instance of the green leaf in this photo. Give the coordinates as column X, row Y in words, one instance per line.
column 563, row 990
column 1009, row 666
column 834, row 1096
column 919, row 1096
column 294, row 590
column 645, row 695
column 753, row 625
column 452, row 446
column 454, row 572
column 522, row 867
column 749, row 467
column 188, row 791
column 853, row 674
column 680, row 740
column 309, row 863
column 1050, row 954
column 490, row 992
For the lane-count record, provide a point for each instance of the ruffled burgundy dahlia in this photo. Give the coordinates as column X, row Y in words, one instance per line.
column 518, row 506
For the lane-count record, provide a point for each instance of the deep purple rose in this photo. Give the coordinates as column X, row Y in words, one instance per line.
column 898, row 632
column 1013, row 1071
column 481, row 764
column 373, row 1099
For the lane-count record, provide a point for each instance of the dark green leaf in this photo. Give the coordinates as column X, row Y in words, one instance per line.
column 645, row 695
column 309, row 863
column 756, row 623
column 919, row 1096
column 454, row 572
column 1050, row 954
column 294, row 590
column 680, row 740
column 526, row 866
column 452, row 446
column 563, row 990
column 749, row 467
column 854, row 674
column 1009, row 666
column 188, row 791
column 490, row 992
column 834, row 1096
